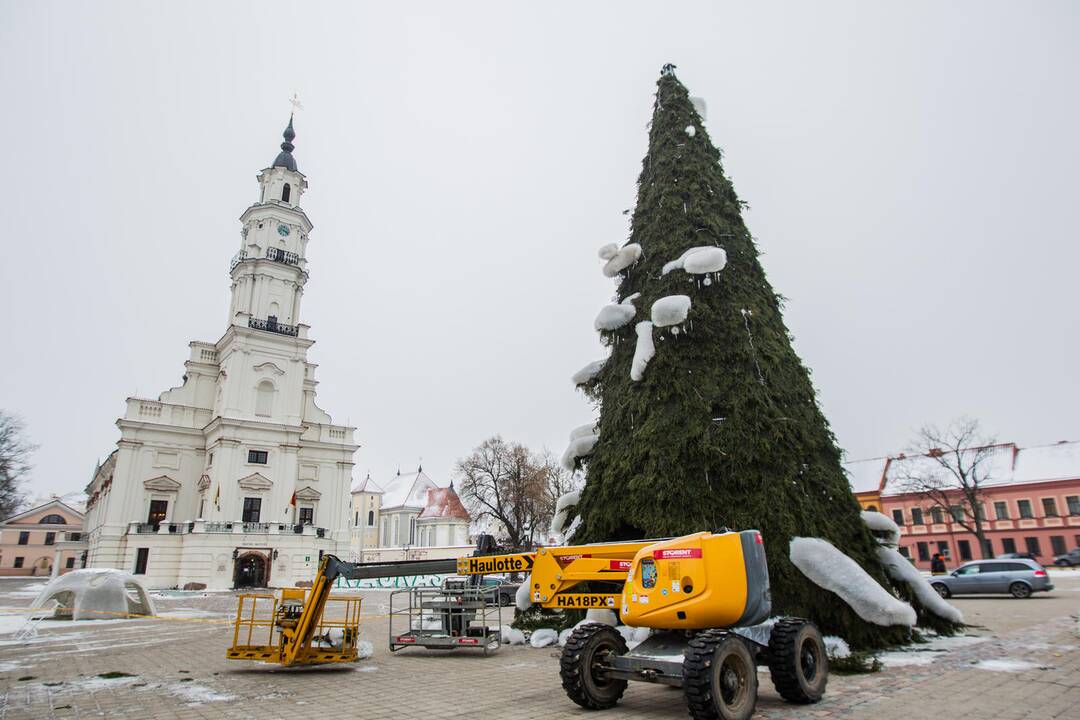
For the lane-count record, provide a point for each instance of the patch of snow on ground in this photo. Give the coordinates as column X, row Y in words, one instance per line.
column 901, row 658
column 9, row 665
column 832, row 570
column 190, row 613
column 198, row 694
column 1006, row 665
column 364, row 649
column 945, row 642
column 367, row 668
column 542, row 637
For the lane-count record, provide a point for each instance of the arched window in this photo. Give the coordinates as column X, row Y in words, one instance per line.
column 52, row 520
column 371, row 518
column 264, row 398
column 285, row 192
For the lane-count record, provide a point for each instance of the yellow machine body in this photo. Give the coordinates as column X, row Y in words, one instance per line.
column 698, row 581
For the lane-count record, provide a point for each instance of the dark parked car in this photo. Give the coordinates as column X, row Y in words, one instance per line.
column 1017, row 555
column 507, row 589
column 1069, row 559
column 1019, row 577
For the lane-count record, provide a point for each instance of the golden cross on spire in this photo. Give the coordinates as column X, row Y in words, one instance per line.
column 295, row 102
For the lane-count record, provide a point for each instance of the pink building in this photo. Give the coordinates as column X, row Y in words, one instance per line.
column 44, row 540
column 1031, row 503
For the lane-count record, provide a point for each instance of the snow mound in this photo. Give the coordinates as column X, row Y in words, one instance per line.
column 881, row 524
column 630, row 298
column 522, row 598
column 836, row 648
column 613, row 317
column 608, row 251
column 602, row 616
column 542, row 637
column 587, row 373
column 644, row 350
column 584, row 431
column 622, row 259
column 562, row 510
column 698, row 260
column 364, row 649
column 899, row 569
column 832, row 570
column 96, row 594
column 512, row 636
column 564, row 636
column 691, row 130
column 670, row 310
column 627, row 633
column 707, row 260
column 578, row 448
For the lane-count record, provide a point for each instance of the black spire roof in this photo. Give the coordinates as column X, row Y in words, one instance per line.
column 285, row 158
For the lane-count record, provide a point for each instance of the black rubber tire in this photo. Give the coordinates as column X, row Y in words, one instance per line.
column 942, row 589
column 585, row 647
column 798, row 662
column 504, row 600
column 719, row 677
column 1020, row 590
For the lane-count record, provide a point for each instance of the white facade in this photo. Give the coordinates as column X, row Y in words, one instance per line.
column 201, row 486
column 408, row 511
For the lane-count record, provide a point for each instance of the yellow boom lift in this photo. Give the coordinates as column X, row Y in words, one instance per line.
column 705, row 597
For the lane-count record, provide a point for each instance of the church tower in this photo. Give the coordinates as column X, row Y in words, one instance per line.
column 234, row 478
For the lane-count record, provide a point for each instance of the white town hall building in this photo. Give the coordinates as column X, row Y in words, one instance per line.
column 236, row 477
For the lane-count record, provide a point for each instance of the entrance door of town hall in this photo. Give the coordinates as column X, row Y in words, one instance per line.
column 250, row 571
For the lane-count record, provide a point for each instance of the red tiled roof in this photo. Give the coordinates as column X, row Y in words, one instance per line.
column 443, row 502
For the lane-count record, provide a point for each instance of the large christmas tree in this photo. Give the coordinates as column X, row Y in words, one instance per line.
column 708, row 417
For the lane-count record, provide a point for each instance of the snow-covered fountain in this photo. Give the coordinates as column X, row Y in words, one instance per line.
column 96, row 594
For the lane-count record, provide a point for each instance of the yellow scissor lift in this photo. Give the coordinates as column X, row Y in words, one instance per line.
column 701, row 594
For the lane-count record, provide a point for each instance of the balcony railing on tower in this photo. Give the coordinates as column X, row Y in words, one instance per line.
column 271, row 324
column 281, row 256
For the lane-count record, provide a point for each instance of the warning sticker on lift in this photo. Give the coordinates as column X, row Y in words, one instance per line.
column 585, row 601
column 495, row 564
column 677, row 554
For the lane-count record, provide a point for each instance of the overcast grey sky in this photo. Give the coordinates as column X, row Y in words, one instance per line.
column 911, row 170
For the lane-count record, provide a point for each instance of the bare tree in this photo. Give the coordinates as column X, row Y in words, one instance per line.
column 952, row 472
column 507, row 483
column 15, row 451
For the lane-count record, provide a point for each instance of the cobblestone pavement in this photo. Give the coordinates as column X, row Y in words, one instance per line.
column 1023, row 662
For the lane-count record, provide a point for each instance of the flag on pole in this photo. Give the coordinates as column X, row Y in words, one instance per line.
column 292, row 503
column 217, row 497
